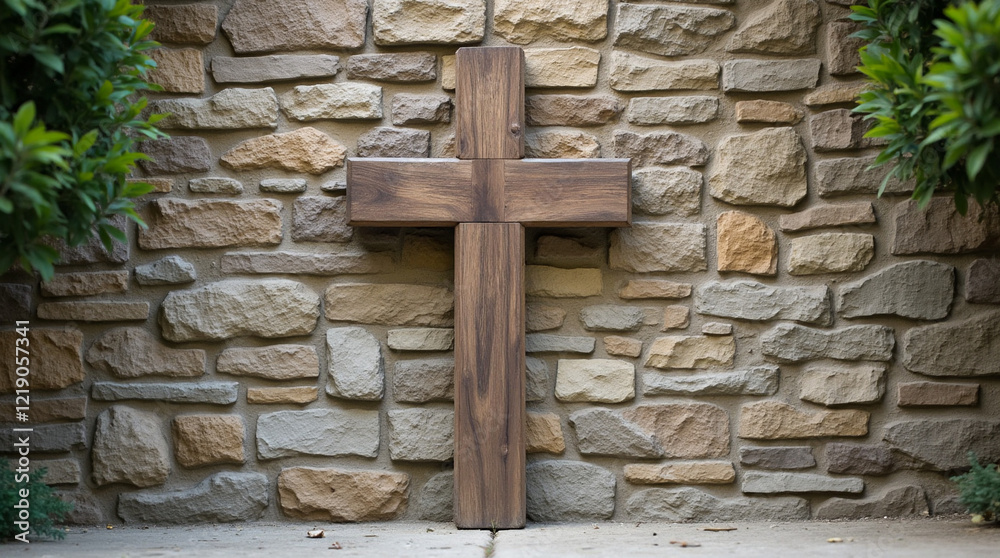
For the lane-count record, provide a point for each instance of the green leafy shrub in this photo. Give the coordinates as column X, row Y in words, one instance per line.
column 69, row 123
column 934, row 67
column 45, row 507
column 979, row 490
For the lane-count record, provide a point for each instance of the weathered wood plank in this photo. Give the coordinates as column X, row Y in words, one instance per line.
column 568, row 192
column 489, row 103
column 489, row 376
column 487, row 179
column 409, row 192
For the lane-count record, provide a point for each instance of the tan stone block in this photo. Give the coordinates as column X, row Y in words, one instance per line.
column 928, row 394
column 187, row 23
column 835, row 94
column 299, row 395
column 774, row 420
column 427, row 252
column 704, row 472
column 86, row 284
column 571, row 110
column 390, row 304
column 55, row 359
column 201, row 440
column 179, row 70
column 160, row 185
column 295, row 25
column 403, row 22
column 767, row 112
column 421, row 339
column 631, row 72
column 622, row 346
column 94, row 311
column 524, row 21
column 448, row 72
column 59, row 471
column 304, row 150
column 763, row 168
column 335, row 495
column 830, row 253
column 565, row 251
column 685, row 430
column 561, row 67
column 176, row 223
column 276, row 362
column 676, row 317
column 131, row 352
column 543, row 432
column 595, row 380
column 561, row 145
column 539, row 317
column 50, row 410
column 697, row 351
column 833, row 215
column 654, row 288
column 541, row 280
column 745, row 243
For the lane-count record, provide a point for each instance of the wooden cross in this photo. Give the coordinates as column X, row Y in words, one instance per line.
column 490, row 193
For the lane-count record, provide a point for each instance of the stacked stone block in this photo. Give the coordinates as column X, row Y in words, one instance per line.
column 769, row 340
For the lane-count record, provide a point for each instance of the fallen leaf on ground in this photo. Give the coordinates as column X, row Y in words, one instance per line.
column 316, row 534
column 718, row 529
column 685, row 544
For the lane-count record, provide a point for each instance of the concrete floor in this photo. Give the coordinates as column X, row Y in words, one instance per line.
column 950, row 537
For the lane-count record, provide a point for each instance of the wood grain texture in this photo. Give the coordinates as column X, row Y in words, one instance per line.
column 489, row 103
column 409, row 192
column 489, row 376
column 568, row 192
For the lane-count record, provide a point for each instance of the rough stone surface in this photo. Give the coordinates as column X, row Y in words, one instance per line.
column 94, row 311
column 921, row 290
column 778, row 458
column 236, row 307
column 224, row 497
column 524, row 22
column 569, row 491
column 631, row 72
column 129, row 448
column 607, row 317
column 940, row 229
column 93, row 250
column 536, row 379
column 781, row 27
column 215, row 185
column 355, row 368
column 795, row 343
column 967, row 348
column 676, row 317
column 850, row 175
column 934, row 394
column 666, row 191
column 841, row 48
column 605, row 432
column 717, row 328
column 835, row 94
column 767, row 112
column 132, row 352
column 422, row 381
column 304, row 150
column 59, row 471
column 541, row 280
column 779, row 483
column 184, row 24
column 561, row 145
column 763, row 168
column 333, row 101
column 750, row 300
column 390, row 304
column 282, row 395
column 745, row 243
column 833, row 385
column 691, row 504
column 322, row 264
column 831, row 215
column 55, row 359
column 691, row 351
column 180, row 70
column 840, row 129
column 51, row 410
column 421, row 434
column 654, row 288
column 179, row 154
column 860, row 459
column 410, row 109
column 622, row 346
column 15, row 302
column 944, row 444
column 571, row 251
column 773, row 420
column 595, row 380
column 336, row 495
column 757, row 380
column 320, row 219
column 903, row 501
column 696, row 472
column 326, row 432
column 669, row 30
column 295, row 25
column 661, row 148
column 655, row 111
column 177, row 223
column 394, row 142
column 404, row 22
column 982, row 282
column 539, row 317
column 229, row 109
column 545, row 343
column 421, row 339
column 763, row 76
column 571, row 110
column 275, row 67
column 397, row 67
column 437, row 498
column 561, row 67
column 215, row 393
column 543, row 433
column 201, row 440
column 170, row 270
column 283, row 185
column 86, row 284
column 685, row 430
column 50, row 438
column 830, row 253
column 647, row 247
column 274, row 362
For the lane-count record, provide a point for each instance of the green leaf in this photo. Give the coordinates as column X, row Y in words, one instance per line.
column 976, row 159
column 23, row 119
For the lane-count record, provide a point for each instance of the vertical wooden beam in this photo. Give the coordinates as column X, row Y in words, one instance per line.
column 489, row 103
column 489, row 376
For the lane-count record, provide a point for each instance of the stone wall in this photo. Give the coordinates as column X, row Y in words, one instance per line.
column 769, row 340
